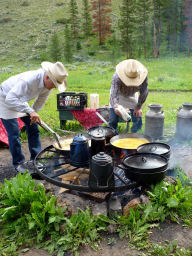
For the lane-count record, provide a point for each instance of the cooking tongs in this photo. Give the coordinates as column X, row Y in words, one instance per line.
column 48, row 129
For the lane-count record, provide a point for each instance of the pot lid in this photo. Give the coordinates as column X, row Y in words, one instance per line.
column 144, row 161
column 157, row 148
column 102, row 158
column 97, row 135
column 80, row 138
column 106, row 131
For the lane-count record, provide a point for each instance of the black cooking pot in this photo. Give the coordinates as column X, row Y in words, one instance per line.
column 107, row 132
column 157, row 148
column 117, row 151
column 101, row 172
column 98, row 143
column 145, row 168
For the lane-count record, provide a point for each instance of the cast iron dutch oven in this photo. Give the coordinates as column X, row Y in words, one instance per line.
column 145, row 168
column 107, row 132
column 157, row 148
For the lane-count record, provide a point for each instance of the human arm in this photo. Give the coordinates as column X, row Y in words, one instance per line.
column 17, row 98
column 142, row 98
column 114, row 94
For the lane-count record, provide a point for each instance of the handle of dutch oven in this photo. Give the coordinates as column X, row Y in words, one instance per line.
column 153, row 148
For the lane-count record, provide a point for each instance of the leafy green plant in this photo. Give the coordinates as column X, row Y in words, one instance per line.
column 81, row 228
column 23, row 136
column 26, row 213
column 173, row 200
column 168, row 249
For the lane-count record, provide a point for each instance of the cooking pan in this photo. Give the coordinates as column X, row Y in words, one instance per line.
column 108, row 132
column 145, row 168
column 117, row 151
column 157, row 148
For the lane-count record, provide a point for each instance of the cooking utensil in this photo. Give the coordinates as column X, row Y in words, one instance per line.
column 98, row 143
column 157, row 148
column 122, row 152
column 101, row 117
column 46, row 127
column 108, row 132
column 101, row 172
column 145, row 168
column 79, row 152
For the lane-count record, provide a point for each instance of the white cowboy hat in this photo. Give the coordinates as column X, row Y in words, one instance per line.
column 57, row 73
column 131, row 72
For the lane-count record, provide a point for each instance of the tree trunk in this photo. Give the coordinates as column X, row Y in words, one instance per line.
column 144, row 36
column 175, row 25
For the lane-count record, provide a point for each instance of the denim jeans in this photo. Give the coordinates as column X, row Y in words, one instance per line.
column 114, row 119
column 34, row 143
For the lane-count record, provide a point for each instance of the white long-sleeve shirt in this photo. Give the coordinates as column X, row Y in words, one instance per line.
column 24, row 87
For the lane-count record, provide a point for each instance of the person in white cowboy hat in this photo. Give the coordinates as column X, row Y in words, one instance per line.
column 129, row 79
column 15, row 93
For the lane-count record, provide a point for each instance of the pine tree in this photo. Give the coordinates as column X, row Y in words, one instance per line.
column 157, row 26
column 74, row 19
column 87, row 19
column 143, row 11
column 126, row 25
column 55, row 48
column 101, row 17
column 67, row 47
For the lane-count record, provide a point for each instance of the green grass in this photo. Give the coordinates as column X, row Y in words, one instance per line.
column 175, row 89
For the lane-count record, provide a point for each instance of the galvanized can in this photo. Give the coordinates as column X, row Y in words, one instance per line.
column 154, row 121
column 184, row 122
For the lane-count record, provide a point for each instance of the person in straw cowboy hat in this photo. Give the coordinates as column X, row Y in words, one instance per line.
column 129, row 78
column 15, row 93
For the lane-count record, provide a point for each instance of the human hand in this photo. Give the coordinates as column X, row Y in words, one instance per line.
column 137, row 113
column 34, row 117
column 117, row 110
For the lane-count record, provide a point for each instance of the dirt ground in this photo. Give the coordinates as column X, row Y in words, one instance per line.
column 181, row 155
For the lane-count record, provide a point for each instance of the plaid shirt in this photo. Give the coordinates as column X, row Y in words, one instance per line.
column 118, row 87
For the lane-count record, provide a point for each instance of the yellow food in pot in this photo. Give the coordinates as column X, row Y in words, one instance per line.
column 129, row 143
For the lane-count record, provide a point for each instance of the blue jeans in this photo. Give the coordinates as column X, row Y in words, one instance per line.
column 34, row 143
column 114, row 119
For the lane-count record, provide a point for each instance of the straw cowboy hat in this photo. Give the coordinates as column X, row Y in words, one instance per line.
column 131, row 72
column 57, row 73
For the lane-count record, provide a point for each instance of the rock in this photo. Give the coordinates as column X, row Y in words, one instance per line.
column 112, row 228
column 115, row 206
column 144, row 199
column 132, row 204
column 170, row 180
column 127, row 196
column 72, row 202
column 100, row 208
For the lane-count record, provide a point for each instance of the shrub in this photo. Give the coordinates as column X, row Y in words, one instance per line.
column 161, row 78
column 78, row 45
column 62, row 20
column 25, row 3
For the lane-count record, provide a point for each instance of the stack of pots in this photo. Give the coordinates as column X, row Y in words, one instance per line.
column 149, row 164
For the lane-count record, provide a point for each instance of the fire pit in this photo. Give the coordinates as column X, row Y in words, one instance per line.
column 56, row 169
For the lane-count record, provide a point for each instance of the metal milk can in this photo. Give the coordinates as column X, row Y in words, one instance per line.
column 154, row 121
column 184, row 122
